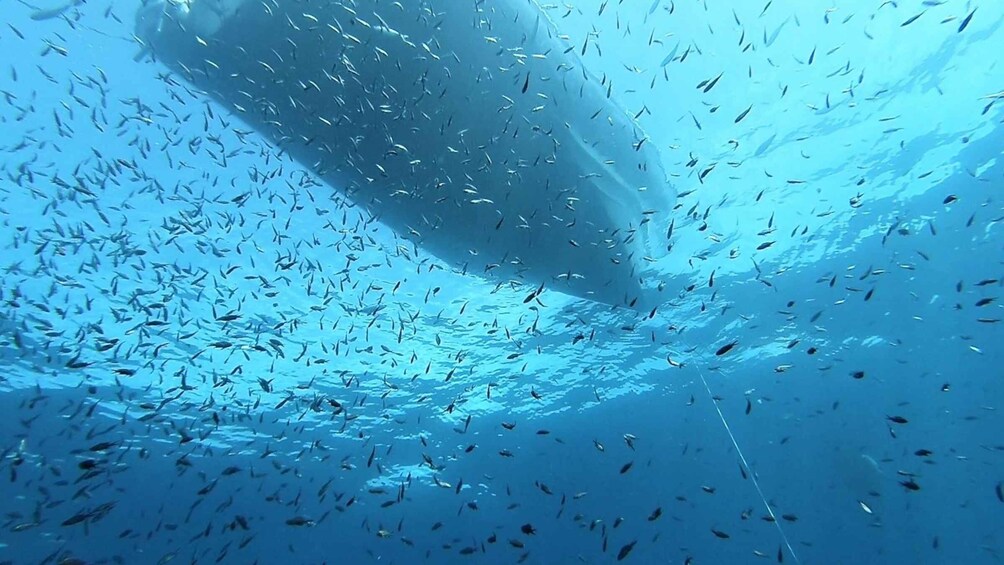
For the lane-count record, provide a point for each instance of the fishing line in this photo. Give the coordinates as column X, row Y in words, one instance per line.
column 752, row 475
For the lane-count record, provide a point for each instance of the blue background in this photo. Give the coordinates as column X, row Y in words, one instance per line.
column 119, row 203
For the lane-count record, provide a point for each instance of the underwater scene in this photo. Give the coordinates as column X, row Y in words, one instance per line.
column 501, row 281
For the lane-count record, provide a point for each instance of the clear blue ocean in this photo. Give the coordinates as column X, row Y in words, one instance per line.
column 501, row 281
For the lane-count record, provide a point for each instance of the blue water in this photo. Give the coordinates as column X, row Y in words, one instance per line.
column 278, row 379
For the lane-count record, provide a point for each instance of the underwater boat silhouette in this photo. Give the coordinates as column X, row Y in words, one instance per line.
column 470, row 128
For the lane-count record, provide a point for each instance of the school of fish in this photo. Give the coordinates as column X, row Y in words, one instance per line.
column 501, row 281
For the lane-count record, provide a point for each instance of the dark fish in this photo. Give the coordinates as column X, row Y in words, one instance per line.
column 740, row 117
column 726, row 348
column 76, row 519
column 625, row 551
column 712, row 83
column 912, row 19
column 965, row 22
column 299, row 521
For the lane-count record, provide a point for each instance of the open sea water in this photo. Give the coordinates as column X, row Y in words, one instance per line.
column 500, row 281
